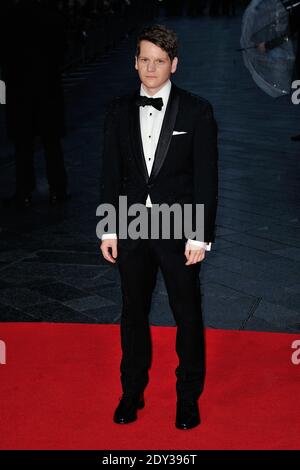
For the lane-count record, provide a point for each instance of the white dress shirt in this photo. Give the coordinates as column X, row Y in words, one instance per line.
column 151, row 120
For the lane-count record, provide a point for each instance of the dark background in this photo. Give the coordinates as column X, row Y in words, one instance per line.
column 51, row 268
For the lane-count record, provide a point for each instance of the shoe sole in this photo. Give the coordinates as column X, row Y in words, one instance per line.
column 184, row 427
column 123, row 421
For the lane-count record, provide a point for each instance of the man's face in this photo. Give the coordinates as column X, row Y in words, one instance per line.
column 154, row 66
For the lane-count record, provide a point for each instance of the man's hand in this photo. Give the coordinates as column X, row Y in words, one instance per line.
column 261, row 47
column 106, row 246
column 194, row 255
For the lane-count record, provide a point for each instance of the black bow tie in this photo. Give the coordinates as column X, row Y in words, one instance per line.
column 145, row 101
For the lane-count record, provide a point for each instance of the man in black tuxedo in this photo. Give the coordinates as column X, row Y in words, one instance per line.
column 160, row 147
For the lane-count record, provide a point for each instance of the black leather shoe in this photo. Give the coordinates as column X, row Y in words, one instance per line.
column 126, row 411
column 18, row 201
column 57, row 198
column 187, row 414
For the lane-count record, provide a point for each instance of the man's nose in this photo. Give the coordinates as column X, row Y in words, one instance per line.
column 151, row 66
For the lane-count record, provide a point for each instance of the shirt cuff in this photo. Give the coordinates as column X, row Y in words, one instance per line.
column 107, row 236
column 195, row 245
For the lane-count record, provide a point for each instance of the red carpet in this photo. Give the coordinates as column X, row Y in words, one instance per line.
column 60, row 385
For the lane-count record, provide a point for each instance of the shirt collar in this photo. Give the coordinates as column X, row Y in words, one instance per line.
column 163, row 93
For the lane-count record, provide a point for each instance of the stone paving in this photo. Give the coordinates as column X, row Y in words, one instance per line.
column 50, row 265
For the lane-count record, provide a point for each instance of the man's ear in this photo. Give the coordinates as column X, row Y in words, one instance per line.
column 174, row 65
column 136, row 63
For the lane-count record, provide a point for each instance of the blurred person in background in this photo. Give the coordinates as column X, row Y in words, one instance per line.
column 34, row 43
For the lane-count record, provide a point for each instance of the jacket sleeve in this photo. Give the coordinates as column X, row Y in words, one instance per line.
column 205, row 171
column 111, row 168
column 111, row 174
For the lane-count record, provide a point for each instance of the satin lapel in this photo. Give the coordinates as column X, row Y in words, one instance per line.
column 136, row 139
column 166, row 132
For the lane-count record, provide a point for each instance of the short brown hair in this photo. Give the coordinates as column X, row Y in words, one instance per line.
column 162, row 37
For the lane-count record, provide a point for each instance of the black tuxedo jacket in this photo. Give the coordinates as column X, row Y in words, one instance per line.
column 185, row 165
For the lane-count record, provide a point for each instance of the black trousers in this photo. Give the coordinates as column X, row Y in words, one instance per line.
column 138, row 268
column 25, row 174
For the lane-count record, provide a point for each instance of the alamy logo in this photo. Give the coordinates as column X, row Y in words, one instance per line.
column 296, row 93
column 2, row 352
column 296, row 354
column 2, row 92
column 164, row 219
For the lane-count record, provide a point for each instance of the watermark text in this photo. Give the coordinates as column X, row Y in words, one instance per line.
column 2, row 352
